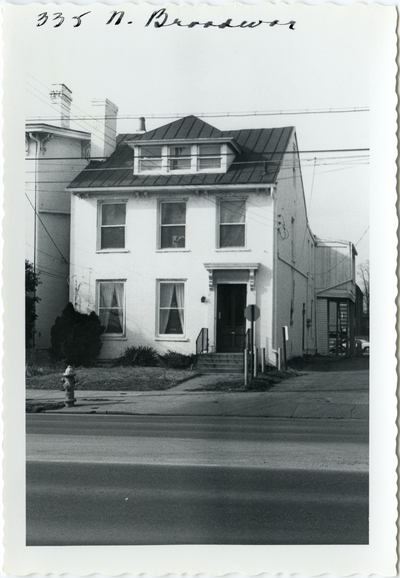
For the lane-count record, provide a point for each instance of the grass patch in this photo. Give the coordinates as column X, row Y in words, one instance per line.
column 38, row 362
column 115, row 379
column 36, row 406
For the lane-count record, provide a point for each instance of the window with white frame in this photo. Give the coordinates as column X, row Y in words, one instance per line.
column 150, row 158
column 111, row 306
column 172, row 225
column 171, row 317
column 180, row 158
column 209, row 157
column 232, row 223
column 112, row 225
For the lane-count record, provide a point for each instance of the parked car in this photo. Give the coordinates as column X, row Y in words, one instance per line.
column 364, row 345
column 342, row 346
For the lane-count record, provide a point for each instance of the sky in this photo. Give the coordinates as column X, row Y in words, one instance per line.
column 323, row 64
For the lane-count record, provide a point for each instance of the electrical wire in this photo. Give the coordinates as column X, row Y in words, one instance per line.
column 346, row 256
column 104, row 138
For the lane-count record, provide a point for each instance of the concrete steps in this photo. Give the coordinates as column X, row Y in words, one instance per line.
column 220, row 363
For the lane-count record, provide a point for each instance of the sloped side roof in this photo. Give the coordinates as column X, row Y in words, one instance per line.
column 258, row 163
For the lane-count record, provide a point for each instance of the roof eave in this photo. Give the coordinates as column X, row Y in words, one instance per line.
column 57, row 130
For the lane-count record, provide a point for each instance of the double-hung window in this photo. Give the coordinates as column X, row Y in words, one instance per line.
column 111, row 307
column 171, row 318
column 180, row 158
column 209, row 157
column 172, row 225
column 150, row 158
column 232, row 223
column 112, row 225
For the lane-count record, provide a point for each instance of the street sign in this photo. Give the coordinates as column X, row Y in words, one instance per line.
column 252, row 312
column 286, row 332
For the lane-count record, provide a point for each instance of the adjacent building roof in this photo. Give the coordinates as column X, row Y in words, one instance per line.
column 258, row 162
column 35, row 126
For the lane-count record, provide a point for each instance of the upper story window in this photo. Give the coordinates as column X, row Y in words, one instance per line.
column 232, row 224
column 180, row 158
column 183, row 158
column 150, row 158
column 209, row 157
column 112, row 225
column 172, row 225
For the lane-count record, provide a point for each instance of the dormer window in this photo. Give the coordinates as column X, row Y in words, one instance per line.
column 180, row 158
column 150, row 158
column 183, row 157
column 209, row 157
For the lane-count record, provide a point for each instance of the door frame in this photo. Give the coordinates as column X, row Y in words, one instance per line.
column 243, row 283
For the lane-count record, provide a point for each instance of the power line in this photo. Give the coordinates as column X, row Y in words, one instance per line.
column 103, row 137
column 295, row 112
column 322, row 151
column 345, row 257
column 332, row 161
column 158, row 189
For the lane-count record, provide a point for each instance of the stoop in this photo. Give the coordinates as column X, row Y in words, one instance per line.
column 220, row 363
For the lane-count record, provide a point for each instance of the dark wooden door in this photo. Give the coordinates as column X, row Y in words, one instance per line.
column 231, row 303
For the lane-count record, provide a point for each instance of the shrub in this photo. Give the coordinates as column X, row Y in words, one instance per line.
column 76, row 337
column 176, row 360
column 139, row 356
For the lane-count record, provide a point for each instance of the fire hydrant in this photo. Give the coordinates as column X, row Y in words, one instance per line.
column 68, row 381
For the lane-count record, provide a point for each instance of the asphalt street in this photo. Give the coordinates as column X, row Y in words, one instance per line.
column 95, row 480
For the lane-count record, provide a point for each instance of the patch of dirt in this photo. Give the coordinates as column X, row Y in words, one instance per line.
column 330, row 363
column 116, row 379
column 263, row 382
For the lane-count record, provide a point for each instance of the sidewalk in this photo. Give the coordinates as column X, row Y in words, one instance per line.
column 334, row 394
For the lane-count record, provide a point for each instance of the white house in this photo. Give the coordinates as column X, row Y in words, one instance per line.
column 55, row 154
column 184, row 226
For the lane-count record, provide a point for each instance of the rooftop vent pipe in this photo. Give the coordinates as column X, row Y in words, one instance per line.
column 142, row 124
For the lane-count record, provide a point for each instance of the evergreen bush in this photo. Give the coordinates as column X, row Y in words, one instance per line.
column 76, row 337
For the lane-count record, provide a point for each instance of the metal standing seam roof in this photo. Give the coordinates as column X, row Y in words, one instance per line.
column 258, row 162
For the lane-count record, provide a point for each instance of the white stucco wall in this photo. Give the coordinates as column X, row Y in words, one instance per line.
column 141, row 265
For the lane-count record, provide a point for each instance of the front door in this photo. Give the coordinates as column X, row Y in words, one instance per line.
column 231, row 303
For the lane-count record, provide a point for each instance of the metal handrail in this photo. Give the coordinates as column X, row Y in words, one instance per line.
column 202, row 341
column 247, row 340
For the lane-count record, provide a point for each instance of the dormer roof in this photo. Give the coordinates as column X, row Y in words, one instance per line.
column 258, row 157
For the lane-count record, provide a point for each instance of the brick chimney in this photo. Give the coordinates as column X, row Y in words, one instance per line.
column 61, row 98
column 104, row 132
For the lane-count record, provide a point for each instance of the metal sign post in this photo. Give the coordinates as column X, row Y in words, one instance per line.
column 252, row 313
column 285, row 335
